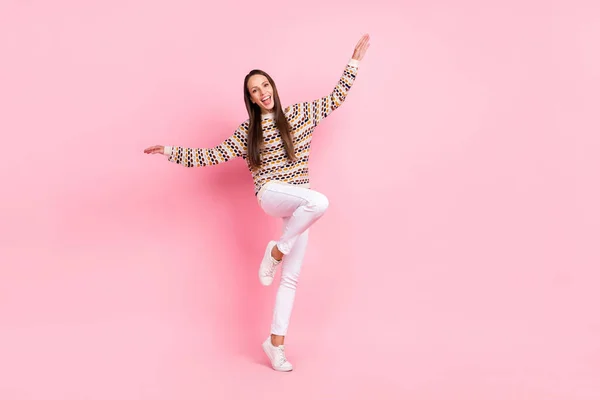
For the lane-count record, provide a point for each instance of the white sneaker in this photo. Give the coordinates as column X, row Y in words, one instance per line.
column 277, row 356
column 268, row 265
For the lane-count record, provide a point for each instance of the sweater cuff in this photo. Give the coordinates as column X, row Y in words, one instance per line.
column 353, row 62
column 168, row 150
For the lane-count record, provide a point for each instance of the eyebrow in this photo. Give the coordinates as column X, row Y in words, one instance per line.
column 260, row 83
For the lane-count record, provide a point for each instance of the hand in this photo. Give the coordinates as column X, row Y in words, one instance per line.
column 155, row 149
column 361, row 47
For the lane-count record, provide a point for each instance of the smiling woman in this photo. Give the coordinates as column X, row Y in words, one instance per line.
column 261, row 97
column 260, row 89
column 276, row 144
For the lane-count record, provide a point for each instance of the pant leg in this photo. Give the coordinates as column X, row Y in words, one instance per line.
column 286, row 293
column 303, row 207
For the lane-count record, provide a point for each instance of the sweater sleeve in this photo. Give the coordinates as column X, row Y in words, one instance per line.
column 322, row 107
column 232, row 147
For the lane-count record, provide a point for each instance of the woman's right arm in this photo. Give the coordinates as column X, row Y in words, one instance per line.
column 234, row 146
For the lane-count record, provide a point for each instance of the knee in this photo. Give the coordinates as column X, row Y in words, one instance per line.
column 320, row 204
column 290, row 280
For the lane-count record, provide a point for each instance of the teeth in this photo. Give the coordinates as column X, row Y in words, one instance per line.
column 266, row 98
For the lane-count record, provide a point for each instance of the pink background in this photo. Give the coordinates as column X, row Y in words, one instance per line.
column 458, row 259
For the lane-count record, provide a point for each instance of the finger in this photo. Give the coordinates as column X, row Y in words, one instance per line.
column 365, row 47
column 366, row 40
column 362, row 42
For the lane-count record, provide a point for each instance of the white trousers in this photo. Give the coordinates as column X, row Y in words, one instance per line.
column 299, row 208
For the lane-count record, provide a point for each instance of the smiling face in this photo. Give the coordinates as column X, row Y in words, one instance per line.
column 261, row 93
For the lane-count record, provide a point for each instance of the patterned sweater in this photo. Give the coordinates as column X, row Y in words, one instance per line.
column 302, row 117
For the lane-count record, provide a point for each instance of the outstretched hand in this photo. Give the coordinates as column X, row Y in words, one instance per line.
column 361, row 47
column 155, row 150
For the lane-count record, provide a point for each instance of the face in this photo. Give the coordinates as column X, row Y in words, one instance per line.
column 261, row 92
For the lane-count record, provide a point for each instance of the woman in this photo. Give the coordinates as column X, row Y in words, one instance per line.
column 275, row 142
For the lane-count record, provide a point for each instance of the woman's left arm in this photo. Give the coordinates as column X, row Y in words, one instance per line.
column 321, row 108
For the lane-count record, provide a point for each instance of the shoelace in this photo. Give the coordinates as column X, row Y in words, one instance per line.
column 281, row 355
column 271, row 269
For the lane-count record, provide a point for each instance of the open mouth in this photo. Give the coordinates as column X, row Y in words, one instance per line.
column 266, row 100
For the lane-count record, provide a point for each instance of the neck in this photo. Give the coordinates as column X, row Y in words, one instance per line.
column 267, row 114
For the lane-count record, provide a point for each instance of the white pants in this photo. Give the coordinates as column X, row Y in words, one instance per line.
column 299, row 208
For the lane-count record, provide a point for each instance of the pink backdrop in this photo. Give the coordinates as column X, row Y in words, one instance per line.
column 458, row 259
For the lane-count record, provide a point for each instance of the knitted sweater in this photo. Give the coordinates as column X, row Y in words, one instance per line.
column 302, row 117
